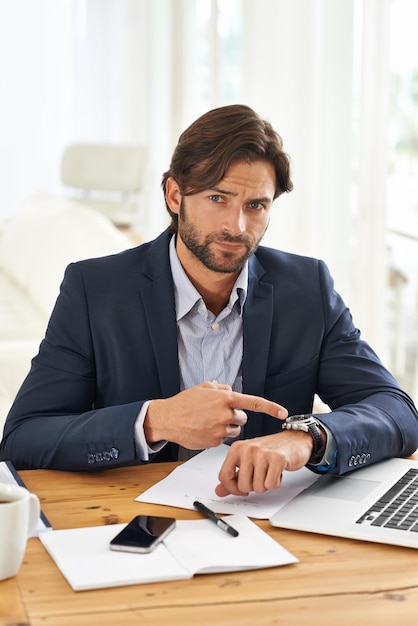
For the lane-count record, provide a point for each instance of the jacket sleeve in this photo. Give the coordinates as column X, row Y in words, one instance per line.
column 57, row 420
column 371, row 418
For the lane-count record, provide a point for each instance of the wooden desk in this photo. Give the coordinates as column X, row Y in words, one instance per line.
column 337, row 581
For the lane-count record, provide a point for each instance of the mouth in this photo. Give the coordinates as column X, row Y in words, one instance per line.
column 229, row 246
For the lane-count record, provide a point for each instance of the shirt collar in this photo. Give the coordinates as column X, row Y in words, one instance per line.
column 186, row 294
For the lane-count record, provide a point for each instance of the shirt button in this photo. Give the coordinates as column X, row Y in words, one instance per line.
column 215, row 326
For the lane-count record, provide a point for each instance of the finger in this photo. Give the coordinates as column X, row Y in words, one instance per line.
column 273, row 478
column 215, row 385
column 258, row 404
column 231, row 490
column 259, row 476
column 244, row 478
column 239, row 419
column 233, row 431
column 228, row 476
column 267, row 473
column 221, row 492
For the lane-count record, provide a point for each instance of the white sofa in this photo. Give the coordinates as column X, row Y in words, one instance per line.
column 35, row 248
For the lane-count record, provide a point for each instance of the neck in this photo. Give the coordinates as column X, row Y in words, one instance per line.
column 215, row 293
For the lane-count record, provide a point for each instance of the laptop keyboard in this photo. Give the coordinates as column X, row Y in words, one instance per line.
column 398, row 507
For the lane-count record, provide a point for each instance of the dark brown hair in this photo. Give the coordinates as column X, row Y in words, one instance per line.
column 219, row 138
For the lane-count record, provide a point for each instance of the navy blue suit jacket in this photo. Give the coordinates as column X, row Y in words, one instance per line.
column 111, row 344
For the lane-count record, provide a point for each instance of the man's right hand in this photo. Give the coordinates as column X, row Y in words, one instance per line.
column 203, row 416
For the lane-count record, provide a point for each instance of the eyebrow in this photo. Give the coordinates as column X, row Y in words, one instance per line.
column 223, row 191
column 231, row 193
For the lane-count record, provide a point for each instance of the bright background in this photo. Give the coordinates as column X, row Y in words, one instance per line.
column 338, row 79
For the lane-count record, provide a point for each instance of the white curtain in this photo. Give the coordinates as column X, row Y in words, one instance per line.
column 36, row 95
column 139, row 71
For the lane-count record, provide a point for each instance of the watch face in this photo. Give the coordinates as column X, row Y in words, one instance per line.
column 299, row 418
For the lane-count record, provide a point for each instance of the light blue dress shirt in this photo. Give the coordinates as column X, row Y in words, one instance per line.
column 209, row 346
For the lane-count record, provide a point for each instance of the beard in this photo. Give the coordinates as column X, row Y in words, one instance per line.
column 224, row 262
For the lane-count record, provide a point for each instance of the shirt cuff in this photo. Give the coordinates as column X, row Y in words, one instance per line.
column 143, row 450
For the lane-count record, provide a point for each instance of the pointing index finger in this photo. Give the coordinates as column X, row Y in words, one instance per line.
column 260, row 405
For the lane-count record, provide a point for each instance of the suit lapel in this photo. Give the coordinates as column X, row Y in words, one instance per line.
column 257, row 325
column 157, row 293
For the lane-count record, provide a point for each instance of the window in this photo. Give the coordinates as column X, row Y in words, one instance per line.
column 402, row 192
column 218, row 77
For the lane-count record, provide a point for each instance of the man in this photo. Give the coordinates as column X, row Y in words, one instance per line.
column 202, row 336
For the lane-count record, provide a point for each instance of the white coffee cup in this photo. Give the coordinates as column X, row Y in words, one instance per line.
column 19, row 515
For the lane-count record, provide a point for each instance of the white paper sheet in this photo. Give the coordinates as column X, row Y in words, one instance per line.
column 197, row 478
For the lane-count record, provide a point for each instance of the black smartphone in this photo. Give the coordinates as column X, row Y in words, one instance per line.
column 143, row 533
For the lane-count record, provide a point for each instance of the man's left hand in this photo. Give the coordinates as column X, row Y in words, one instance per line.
column 257, row 464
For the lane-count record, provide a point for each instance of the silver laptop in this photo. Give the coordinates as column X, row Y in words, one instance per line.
column 377, row 503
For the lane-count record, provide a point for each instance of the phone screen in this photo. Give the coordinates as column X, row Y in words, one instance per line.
column 143, row 533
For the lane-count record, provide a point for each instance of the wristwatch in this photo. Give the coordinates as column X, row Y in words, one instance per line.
column 309, row 424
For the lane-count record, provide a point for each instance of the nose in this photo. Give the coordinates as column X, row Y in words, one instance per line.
column 235, row 221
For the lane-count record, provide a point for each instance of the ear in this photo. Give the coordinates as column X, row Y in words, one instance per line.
column 173, row 195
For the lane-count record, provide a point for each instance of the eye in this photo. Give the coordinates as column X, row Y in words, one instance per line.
column 258, row 206
column 216, row 198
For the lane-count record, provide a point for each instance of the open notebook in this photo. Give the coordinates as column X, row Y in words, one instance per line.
column 193, row 547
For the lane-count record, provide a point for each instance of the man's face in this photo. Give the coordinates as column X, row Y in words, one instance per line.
column 222, row 227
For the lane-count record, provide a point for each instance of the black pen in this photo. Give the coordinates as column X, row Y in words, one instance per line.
column 214, row 518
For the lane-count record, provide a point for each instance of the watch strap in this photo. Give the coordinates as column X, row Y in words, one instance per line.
column 319, row 445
